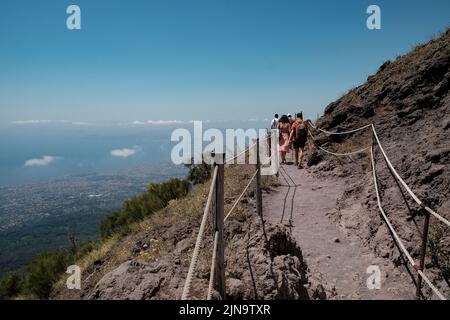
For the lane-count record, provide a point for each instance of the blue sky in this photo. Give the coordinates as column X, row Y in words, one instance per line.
column 196, row 59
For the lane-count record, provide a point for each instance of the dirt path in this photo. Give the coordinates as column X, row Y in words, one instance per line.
column 337, row 258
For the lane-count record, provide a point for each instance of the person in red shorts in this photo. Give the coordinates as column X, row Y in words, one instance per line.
column 298, row 137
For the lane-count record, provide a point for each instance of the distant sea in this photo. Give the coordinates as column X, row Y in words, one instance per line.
column 80, row 148
column 76, row 149
column 61, row 178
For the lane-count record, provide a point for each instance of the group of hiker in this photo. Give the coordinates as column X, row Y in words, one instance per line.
column 292, row 135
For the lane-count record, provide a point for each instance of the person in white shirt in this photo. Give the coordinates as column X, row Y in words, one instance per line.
column 274, row 123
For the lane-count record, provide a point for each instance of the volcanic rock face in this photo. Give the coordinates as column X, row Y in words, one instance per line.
column 408, row 102
column 255, row 270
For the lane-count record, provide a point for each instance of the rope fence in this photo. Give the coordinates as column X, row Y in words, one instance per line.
column 241, row 195
column 428, row 210
column 396, row 236
column 339, row 133
column 231, row 159
column 193, row 265
column 391, row 167
column 213, row 266
column 335, row 153
column 217, row 274
column 407, row 188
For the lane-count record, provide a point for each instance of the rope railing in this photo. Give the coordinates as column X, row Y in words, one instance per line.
column 335, row 153
column 213, row 266
column 193, row 264
column 227, row 161
column 344, row 154
column 339, row 133
column 217, row 262
column 231, row 159
column 431, row 285
column 396, row 236
column 408, row 189
column 397, row 239
column 388, row 223
column 240, row 196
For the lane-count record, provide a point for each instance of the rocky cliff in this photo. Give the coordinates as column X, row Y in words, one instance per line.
column 408, row 102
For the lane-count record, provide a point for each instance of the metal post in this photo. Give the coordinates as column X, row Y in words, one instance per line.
column 426, row 225
column 219, row 277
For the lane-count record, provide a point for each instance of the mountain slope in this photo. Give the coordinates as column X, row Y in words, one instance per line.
column 408, row 102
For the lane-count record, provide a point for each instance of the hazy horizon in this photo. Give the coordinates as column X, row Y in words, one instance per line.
column 34, row 151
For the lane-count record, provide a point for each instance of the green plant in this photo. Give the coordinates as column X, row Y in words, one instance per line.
column 439, row 256
column 11, row 285
column 154, row 199
column 84, row 249
column 43, row 271
column 199, row 173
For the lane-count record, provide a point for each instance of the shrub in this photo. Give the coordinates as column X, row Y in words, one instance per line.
column 154, row 199
column 43, row 271
column 199, row 173
column 172, row 189
column 84, row 249
column 11, row 285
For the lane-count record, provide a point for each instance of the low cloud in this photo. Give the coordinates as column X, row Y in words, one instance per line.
column 82, row 123
column 74, row 123
column 160, row 122
column 31, row 121
column 41, row 162
column 125, row 153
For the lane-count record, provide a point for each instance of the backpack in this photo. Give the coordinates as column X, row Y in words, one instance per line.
column 301, row 132
column 274, row 124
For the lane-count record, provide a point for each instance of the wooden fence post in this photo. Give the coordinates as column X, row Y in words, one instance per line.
column 219, row 277
column 259, row 204
column 426, row 225
column 214, row 195
column 258, row 181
